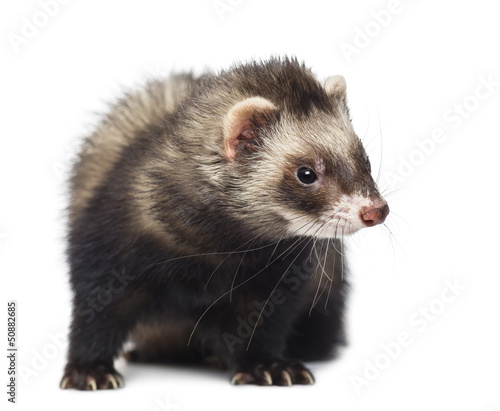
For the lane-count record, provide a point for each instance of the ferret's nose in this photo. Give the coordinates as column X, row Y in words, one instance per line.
column 374, row 216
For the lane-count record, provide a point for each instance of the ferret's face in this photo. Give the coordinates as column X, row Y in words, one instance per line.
column 307, row 177
column 324, row 183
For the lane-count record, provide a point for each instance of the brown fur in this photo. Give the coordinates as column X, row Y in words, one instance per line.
column 190, row 187
column 134, row 113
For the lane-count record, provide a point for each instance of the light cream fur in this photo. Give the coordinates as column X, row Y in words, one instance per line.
column 132, row 114
column 335, row 85
column 236, row 118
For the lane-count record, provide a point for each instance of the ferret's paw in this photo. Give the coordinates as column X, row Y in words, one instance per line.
column 282, row 373
column 91, row 378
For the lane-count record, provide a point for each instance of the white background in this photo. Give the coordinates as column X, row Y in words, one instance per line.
column 409, row 76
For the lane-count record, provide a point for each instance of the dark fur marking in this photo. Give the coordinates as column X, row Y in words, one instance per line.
column 166, row 192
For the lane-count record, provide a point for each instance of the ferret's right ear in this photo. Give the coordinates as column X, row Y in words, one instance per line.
column 243, row 125
column 336, row 87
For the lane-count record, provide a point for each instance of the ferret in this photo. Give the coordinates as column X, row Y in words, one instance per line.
column 206, row 220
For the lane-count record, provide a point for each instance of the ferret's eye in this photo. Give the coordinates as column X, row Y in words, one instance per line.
column 306, row 175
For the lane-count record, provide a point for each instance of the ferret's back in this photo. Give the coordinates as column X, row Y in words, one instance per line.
column 128, row 117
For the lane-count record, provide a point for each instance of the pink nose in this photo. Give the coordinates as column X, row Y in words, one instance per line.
column 374, row 216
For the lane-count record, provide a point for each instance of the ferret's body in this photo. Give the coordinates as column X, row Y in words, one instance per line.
column 205, row 221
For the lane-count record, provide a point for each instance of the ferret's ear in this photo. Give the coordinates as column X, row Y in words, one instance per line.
column 244, row 123
column 336, row 87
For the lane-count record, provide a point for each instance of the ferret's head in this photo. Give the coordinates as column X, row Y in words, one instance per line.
column 295, row 164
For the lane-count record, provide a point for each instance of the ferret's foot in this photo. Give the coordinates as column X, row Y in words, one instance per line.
column 283, row 373
column 100, row 377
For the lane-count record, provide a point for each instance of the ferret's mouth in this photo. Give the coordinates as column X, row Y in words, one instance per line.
column 350, row 214
column 337, row 227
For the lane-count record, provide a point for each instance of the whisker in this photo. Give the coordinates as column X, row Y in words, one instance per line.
column 367, row 126
column 225, row 259
column 392, row 245
column 239, row 285
column 221, row 252
column 394, row 239
column 237, row 251
column 315, row 301
column 229, row 254
column 381, row 148
column 234, row 277
column 309, row 258
column 322, row 266
column 389, row 191
column 275, row 248
column 333, row 273
column 289, row 250
column 336, row 228
column 272, row 292
column 342, row 257
column 393, row 213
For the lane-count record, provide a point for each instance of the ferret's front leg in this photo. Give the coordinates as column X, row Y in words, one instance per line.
column 98, row 331
column 261, row 357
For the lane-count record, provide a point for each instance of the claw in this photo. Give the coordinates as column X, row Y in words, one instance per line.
column 64, row 383
column 241, row 378
column 281, row 373
column 236, row 379
column 120, row 382
column 111, row 379
column 286, row 377
column 91, row 383
column 308, row 377
column 268, row 378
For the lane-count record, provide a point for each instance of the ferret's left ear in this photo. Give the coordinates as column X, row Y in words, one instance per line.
column 243, row 126
column 336, row 87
